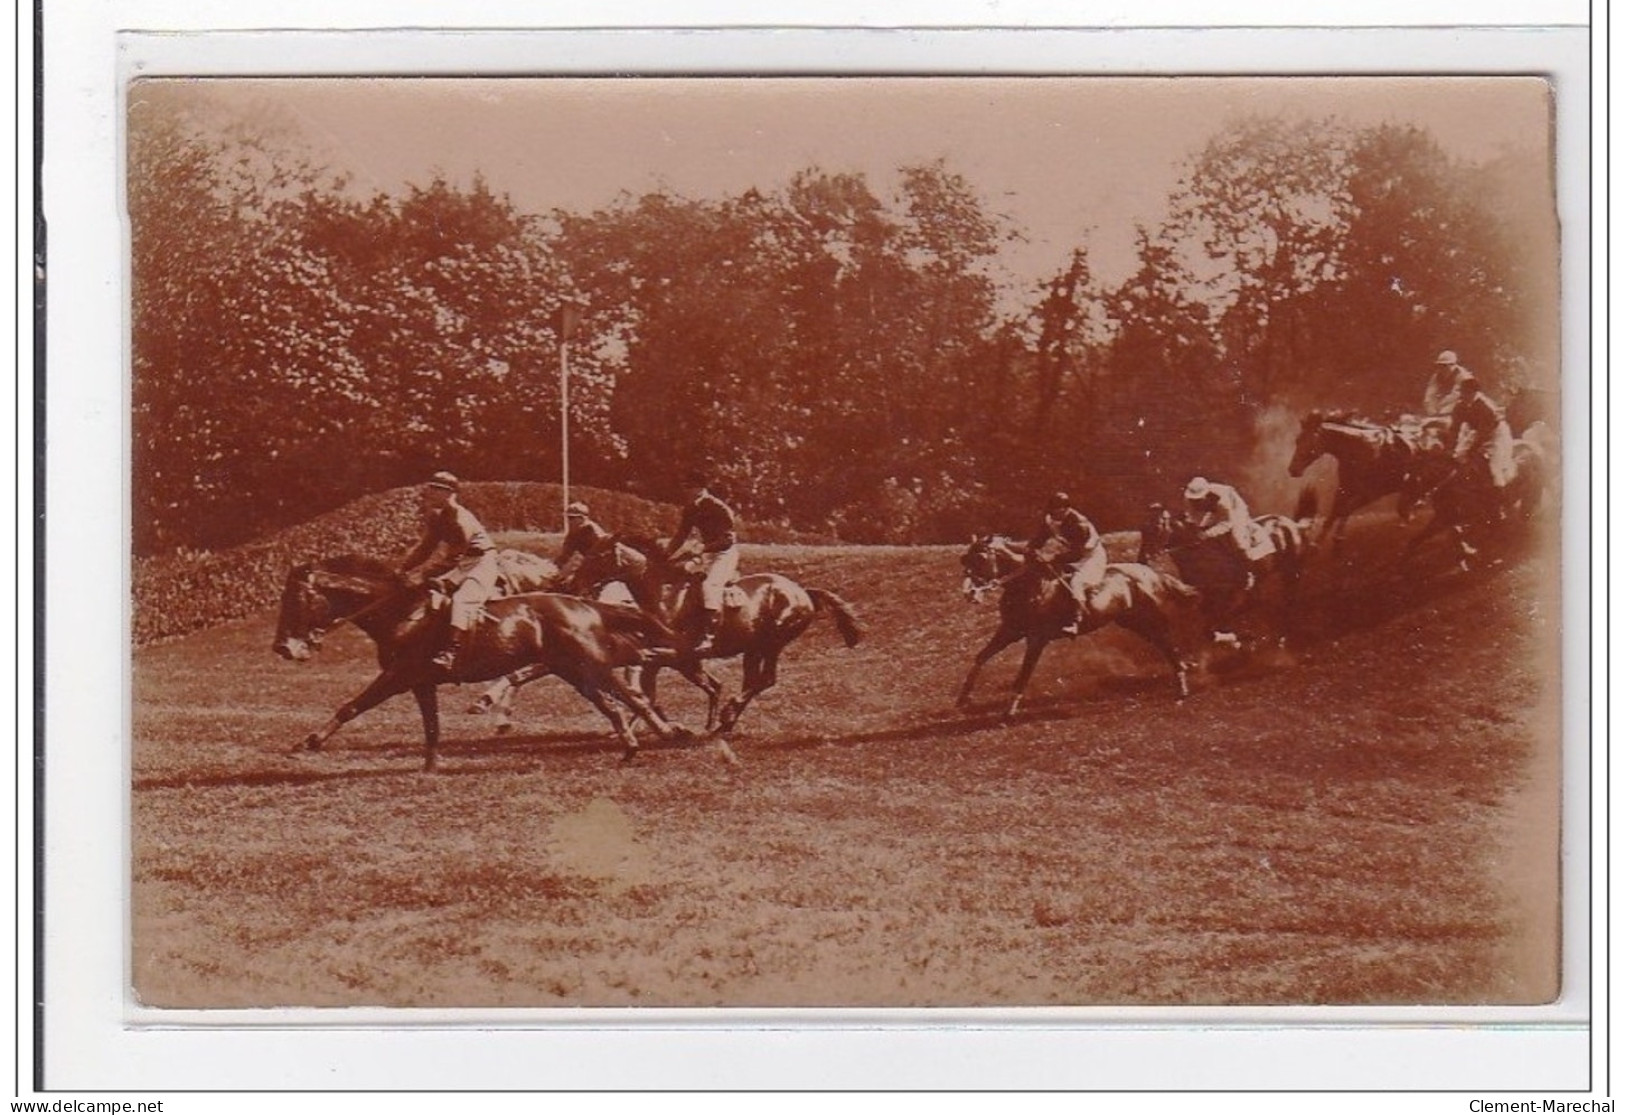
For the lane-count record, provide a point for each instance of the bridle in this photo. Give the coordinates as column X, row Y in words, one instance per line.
column 315, row 580
column 977, row 587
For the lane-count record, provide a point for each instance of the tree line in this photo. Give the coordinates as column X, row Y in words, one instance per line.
column 845, row 361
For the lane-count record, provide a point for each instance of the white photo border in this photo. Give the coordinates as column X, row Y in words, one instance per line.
column 97, row 1039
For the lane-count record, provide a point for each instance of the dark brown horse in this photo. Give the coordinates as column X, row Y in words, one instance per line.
column 1034, row 606
column 762, row 614
column 1467, row 505
column 1373, row 460
column 579, row 641
column 1229, row 584
column 497, row 699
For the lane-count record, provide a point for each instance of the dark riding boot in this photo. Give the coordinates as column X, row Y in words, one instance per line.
column 446, row 660
column 708, row 632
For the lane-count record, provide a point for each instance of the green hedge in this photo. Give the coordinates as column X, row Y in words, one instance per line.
column 186, row 591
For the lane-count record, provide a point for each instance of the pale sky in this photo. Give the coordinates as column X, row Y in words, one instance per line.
column 1071, row 160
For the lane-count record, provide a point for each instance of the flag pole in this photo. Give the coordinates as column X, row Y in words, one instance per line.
column 569, row 316
column 564, row 419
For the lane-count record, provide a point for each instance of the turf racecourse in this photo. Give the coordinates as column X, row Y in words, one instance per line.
column 1370, row 821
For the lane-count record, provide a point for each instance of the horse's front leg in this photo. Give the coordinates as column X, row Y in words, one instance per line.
column 383, row 687
column 498, row 699
column 428, row 698
column 616, row 717
column 1002, row 638
column 697, row 675
column 1029, row 660
column 633, row 698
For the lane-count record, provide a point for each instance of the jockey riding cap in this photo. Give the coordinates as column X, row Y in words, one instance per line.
column 443, row 480
column 1198, row 488
column 1059, row 501
column 576, row 510
column 1445, row 357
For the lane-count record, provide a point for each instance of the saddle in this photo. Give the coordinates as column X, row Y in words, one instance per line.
column 693, row 566
column 516, row 570
column 1259, row 543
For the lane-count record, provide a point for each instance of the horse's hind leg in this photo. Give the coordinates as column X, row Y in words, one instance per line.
column 1157, row 630
column 761, row 674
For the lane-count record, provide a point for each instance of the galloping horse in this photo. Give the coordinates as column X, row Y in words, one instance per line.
column 763, row 613
column 580, row 641
column 1466, row 503
column 497, row 700
column 1372, row 460
column 1035, row 604
column 1227, row 583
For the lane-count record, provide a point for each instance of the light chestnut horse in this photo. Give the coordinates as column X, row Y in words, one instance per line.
column 1034, row 605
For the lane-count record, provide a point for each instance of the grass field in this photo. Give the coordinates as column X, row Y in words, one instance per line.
column 1372, row 820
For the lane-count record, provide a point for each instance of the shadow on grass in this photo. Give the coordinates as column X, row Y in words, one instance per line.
column 525, row 750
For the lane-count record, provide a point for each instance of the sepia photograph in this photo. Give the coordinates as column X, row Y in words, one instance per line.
column 844, row 542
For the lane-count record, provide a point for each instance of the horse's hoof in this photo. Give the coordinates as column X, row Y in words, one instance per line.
column 504, row 729
column 629, row 754
column 680, row 733
column 481, row 706
column 312, row 743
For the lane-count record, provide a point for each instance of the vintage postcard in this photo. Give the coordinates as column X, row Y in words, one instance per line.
column 844, row 543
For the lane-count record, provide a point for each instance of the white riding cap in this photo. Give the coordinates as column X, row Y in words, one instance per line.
column 576, row 510
column 443, row 480
column 1445, row 357
column 1198, row 488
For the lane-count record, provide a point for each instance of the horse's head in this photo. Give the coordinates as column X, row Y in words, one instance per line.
column 1308, row 448
column 306, row 613
column 619, row 559
column 984, row 567
column 318, row 595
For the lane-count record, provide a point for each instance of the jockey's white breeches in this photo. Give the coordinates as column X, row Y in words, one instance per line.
column 716, row 572
column 1083, row 575
column 477, row 581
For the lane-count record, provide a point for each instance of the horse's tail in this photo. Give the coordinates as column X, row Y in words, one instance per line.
column 839, row 611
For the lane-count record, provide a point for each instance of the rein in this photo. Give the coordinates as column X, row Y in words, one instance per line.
column 320, row 579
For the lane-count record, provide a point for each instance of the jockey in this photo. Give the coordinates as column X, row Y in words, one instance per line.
column 1158, row 525
column 1218, row 511
column 717, row 562
column 583, row 539
column 1065, row 538
column 468, row 568
column 1478, row 427
column 1443, row 392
